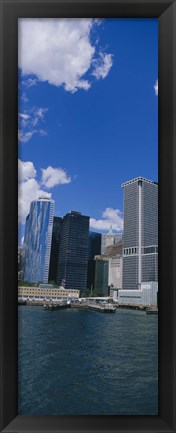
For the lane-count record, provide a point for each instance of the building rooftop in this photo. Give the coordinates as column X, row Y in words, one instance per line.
column 137, row 179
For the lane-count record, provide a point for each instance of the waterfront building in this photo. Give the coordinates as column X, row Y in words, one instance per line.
column 97, row 276
column 115, row 272
column 140, row 238
column 101, row 276
column 54, row 257
column 109, row 239
column 146, row 296
column 73, row 251
column 37, row 240
column 94, row 244
column 46, row 293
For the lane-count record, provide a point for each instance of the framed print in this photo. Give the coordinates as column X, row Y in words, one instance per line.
column 26, row 74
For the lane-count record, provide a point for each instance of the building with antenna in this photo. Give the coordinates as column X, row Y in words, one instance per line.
column 140, row 238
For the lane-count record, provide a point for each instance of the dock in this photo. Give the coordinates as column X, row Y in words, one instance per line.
column 151, row 310
column 56, row 306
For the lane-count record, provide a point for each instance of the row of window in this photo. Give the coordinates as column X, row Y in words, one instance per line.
column 128, row 251
column 145, row 250
column 47, row 291
column 128, row 296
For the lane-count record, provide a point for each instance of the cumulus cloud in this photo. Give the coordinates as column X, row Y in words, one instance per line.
column 30, row 188
column 54, row 176
column 110, row 217
column 60, row 51
column 29, row 123
column 156, row 88
column 26, row 170
column 28, row 191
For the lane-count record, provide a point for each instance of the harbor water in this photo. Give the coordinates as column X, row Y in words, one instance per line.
column 82, row 362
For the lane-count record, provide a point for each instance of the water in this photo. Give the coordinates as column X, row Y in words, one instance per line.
column 81, row 362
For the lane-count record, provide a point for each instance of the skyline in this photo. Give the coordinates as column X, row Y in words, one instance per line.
column 104, row 99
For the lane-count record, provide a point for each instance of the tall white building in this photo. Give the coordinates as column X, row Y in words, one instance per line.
column 109, row 239
column 140, row 253
column 115, row 272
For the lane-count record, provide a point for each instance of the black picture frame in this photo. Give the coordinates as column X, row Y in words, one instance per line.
column 166, row 13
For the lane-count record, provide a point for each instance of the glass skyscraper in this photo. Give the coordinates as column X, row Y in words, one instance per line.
column 140, row 254
column 73, row 251
column 94, row 244
column 54, row 257
column 37, row 240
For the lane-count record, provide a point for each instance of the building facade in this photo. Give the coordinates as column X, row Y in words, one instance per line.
column 146, row 296
column 73, row 251
column 97, row 276
column 140, row 238
column 109, row 239
column 37, row 240
column 115, row 272
column 44, row 293
column 94, row 244
column 54, row 257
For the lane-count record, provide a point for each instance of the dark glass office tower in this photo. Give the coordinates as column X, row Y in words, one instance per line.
column 97, row 279
column 140, row 254
column 57, row 224
column 94, row 244
column 73, row 251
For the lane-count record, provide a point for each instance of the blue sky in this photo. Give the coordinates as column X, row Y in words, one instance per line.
column 88, row 113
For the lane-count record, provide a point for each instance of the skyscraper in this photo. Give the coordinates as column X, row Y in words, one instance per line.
column 140, row 254
column 37, row 240
column 109, row 239
column 97, row 276
column 54, row 257
column 73, row 251
column 94, row 244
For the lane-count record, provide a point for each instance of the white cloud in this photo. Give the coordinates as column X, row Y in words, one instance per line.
column 24, row 137
column 60, row 51
column 102, row 65
column 156, row 88
column 28, row 191
column 24, row 98
column 54, row 176
column 30, row 82
column 29, row 123
column 38, row 115
column 26, row 170
column 110, row 217
column 24, row 116
column 30, row 188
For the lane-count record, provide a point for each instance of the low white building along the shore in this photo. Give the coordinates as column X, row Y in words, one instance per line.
column 46, row 292
column 146, row 296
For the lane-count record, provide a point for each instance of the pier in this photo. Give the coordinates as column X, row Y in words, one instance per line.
column 53, row 306
column 102, row 308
